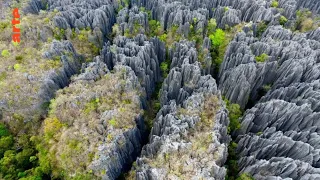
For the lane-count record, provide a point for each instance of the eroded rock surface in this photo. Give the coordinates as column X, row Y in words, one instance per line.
column 141, row 55
column 190, row 130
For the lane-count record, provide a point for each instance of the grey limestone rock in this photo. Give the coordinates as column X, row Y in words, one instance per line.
column 56, row 80
column 291, row 58
column 184, row 95
column 278, row 166
column 131, row 20
column 140, row 55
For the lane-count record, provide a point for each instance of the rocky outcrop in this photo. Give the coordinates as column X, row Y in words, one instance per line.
column 37, row 89
column 35, row 6
column 280, row 134
column 71, row 62
column 177, row 14
column 190, row 130
column 289, row 58
column 103, row 122
column 132, row 21
column 141, row 55
column 96, row 15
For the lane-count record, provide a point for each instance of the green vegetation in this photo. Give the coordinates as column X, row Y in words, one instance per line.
column 245, row 176
column 267, row 87
column 155, row 28
column 217, row 38
column 283, row 20
column 234, row 114
column 83, row 45
column 274, row 4
column 4, row 25
column 212, row 25
column 305, row 21
column 122, row 4
column 220, row 40
column 164, row 66
column 130, row 33
column 153, row 107
column 200, row 137
column 262, row 58
column 259, row 133
column 59, row 34
column 17, row 158
column 17, row 67
column 5, row 53
column 73, row 131
column 262, row 26
column 232, row 162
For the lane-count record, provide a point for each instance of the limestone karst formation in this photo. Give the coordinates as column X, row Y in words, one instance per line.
column 160, row 89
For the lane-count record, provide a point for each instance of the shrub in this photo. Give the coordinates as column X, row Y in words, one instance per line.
column 212, row 24
column 113, row 122
column 59, row 33
column 51, row 127
column 6, row 142
column 92, row 105
column 234, row 114
column 266, row 87
column 163, row 37
column 232, row 165
column 24, row 156
column 306, row 25
column 283, row 20
column 217, row 38
column 154, row 28
column 4, row 24
column 5, row 53
column 305, row 21
column 19, row 59
column 262, row 58
column 17, row 67
column 245, row 176
column 142, row 9
column 164, row 66
column 3, row 76
column 3, row 130
column 274, row 4
column 262, row 26
column 195, row 20
column 259, row 133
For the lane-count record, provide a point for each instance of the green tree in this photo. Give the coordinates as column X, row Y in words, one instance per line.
column 5, row 53
column 212, row 25
column 283, row 20
column 262, row 58
column 234, row 114
column 164, row 66
column 6, row 142
column 245, row 176
column 217, row 38
column 23, row 157
column 3, row 130
column 274, row 4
